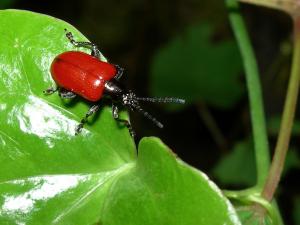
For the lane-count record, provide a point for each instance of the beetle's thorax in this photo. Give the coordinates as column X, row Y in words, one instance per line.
column 113, row 89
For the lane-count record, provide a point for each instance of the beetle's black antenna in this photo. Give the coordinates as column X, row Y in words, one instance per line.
column 149, row 116
column 162, row 100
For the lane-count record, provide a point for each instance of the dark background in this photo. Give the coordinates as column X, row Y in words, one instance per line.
column 130, row 33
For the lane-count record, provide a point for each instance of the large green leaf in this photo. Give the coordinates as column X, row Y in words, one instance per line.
column 193, row 67
column 50, row 176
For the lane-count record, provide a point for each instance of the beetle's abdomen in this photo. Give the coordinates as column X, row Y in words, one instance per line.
column 82, row 74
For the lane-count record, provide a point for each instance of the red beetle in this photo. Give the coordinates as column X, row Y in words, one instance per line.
column 78, row 73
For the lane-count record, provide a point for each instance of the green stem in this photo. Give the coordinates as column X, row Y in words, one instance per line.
column 255, row 94
column 287, row 120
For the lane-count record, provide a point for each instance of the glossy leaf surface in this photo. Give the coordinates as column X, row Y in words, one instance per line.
column 50, row 176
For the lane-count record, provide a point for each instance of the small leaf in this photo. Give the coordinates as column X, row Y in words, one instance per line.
column 50, row 176
column 194, row 68
column 238, row 167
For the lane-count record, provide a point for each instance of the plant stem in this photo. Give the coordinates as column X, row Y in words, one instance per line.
column 287, row 120
column 255, row 94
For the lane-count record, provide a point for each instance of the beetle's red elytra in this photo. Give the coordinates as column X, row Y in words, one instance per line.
column 78, row 73
column 82, row 74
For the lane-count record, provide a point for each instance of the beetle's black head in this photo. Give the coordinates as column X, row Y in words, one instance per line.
column 130, row 100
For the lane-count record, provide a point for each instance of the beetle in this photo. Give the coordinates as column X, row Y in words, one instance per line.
column 78, row 73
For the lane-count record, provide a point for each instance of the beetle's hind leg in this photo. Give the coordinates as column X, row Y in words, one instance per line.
column 91, row 111
column 63, row 93
column 95, row 51
column 115, row 113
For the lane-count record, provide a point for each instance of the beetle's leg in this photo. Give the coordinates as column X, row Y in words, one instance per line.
column 95, row 51
column 91, row 111
column 63, row 93
column 119, row 73
column 115, row 113
column 50, row 90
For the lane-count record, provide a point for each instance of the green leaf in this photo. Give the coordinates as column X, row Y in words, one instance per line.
column 192, row 67
column 238, row 167
column 50, row 176
column 178, row 194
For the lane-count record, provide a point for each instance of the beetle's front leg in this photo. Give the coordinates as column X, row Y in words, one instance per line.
column 119, row 73
column 115, row 113
column 91, row 111
column 94, row 49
